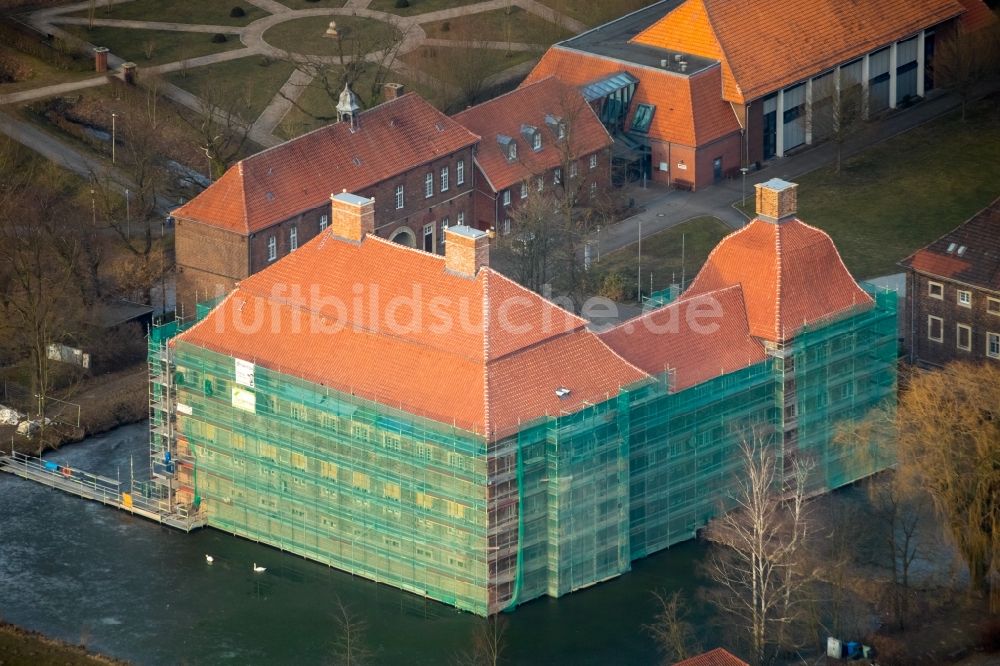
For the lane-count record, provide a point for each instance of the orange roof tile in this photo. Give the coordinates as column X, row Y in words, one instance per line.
column 674, row 95
column 483, row 353
column 696, row 338
column 790, row 272
column 768, row 44
column 301, row 174
column 716, row 657
column 529, row 105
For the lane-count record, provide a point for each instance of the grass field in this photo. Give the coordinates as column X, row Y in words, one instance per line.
column 596, row 13
column 498, row 26
column 308, row 35
column 312, row 4
column 255, row 78
column 42, row 73
column 209, row 12
column 900, row 195
column 661, row 254
column 417, row 6
column 162, row 45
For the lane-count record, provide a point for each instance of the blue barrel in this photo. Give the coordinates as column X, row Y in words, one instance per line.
column 51, row 466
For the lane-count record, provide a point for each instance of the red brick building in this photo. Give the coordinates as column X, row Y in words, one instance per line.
column 692, row 90
column 539, row 138
column 416, row 163
column 953, row 293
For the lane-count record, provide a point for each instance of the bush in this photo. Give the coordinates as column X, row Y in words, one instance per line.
column 613, row 287
column 13, row 70
column 218, row 38
column 237, row 12
column 402, row 4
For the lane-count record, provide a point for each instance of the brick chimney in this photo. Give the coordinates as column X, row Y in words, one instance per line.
column 101, row 59
column 392, row 91
column 776, row 200
column 465, row 250
column 351, row 216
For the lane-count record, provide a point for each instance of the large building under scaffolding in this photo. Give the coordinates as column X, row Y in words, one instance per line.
column 462, row 438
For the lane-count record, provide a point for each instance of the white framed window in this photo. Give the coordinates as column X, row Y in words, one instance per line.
column 272, row 248
column 324, row 222
column 444, row 227
column 399, row 197
column 935, row 328
column 965, row 298
column 512, row 152
column 429, row 185
column 506, row 226
column 593, row 189
column 460, row 173
column 429, row 237
column 935, row 290
column 536, row 141
column 963, row 337
column 993, row 345
column 444, row 179
column 993, row 305
column 460, row 220
column 293, row 239
column 573, row 169
column 506, row 197
column 593, row 161
column 557, row 176
column 524, row 190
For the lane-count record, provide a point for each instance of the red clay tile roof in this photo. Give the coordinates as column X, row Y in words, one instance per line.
column 716, row 657
column 483, row 353
column 791, row 274
column 979, row 263
column 696, row 338
column 765, row 45
column 674, row 95
column 301, row 174
column 529, row 105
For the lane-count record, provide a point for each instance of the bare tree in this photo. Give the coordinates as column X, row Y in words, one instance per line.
column 349, row 646
column 899, row 510
column 839, row 112
column 488, row 643
column 949, row 445
column 670, row 629
column 528, row 252
column 964, row 59
column 758, row 552
column 221, row 130
column 465, row 69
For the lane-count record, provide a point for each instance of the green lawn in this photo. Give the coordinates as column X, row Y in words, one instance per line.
column 418, row 6
column 423, row 57
column 499, row 26
column 595, row 13
column 898, row 196
column 41, row 72
column 162, row 45
column 210, row 12
column 255, row 79
column 312, row 4
column 308, row 35
column 661, row 255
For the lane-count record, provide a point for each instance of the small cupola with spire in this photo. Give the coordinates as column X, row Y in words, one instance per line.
column 348, row 107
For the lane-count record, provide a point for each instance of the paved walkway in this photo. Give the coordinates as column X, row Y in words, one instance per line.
column 667, row 208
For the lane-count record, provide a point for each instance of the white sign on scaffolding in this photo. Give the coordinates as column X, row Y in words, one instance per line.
column 244, row 372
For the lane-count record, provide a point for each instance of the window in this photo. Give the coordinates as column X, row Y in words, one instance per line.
column 643, row 116
column 399, row 197
column 429, row 185
column 506, row 197
column 557, row 176
column 573, row 169
column 272, row 248
column 993, row 345
column 506, row 226
column 539, row 183
column 935, row 290
column 993, row 305
column 593, row 189
column 935, row 328
column 460, row 173
column 460, row 220
column 324, row 222
column 536, row 141
column 524, row 190
column 513, row 151
column 429, row 237
column 593, row 161
column 444, row 179
column 965, row 298
column 963, row 337
column 445, row 223
column 293, row 238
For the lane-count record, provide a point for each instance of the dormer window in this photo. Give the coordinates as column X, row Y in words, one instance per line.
column 508, row 146
column 643, row 117
column 533, row 136
column 557, row 125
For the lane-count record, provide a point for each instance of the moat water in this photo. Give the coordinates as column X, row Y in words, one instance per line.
column 83, row 572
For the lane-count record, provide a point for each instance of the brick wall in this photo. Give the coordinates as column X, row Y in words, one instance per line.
column 209, row 262
column 977, row 317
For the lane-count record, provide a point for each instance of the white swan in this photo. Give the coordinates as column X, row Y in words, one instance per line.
column 257, row 569
column 209, row 559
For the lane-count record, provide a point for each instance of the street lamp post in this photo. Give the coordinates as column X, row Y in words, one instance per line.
column 114, row 116
column 128, row 217
column 743, row 170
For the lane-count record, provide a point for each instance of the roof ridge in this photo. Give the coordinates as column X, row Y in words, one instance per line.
column 680, row 299
column 534, row 294
column 779, row 325
column 708, row 259
column 487, row 407
column 243, row 197
column 836, row 253
column 489, row 102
